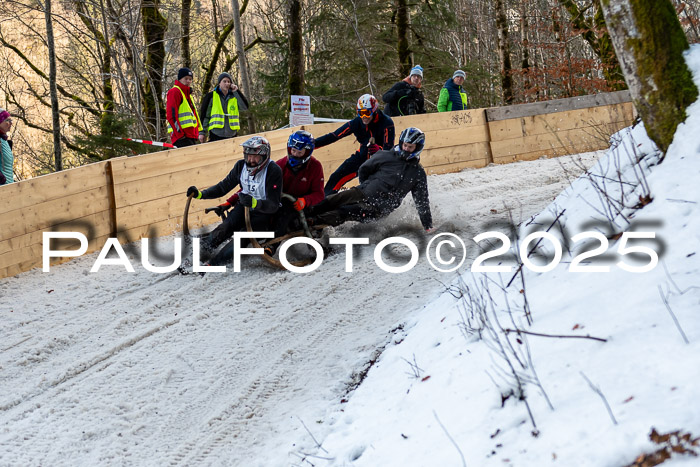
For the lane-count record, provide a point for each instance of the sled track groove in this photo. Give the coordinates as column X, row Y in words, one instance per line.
column 82, row 367
column 285, row 373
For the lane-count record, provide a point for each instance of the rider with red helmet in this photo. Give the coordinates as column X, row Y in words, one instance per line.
column 373, row 129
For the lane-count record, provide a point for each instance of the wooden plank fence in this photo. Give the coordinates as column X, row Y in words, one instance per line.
column 144, row 196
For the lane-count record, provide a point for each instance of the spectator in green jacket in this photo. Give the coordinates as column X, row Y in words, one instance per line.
column 452, row 96
column 220, row 110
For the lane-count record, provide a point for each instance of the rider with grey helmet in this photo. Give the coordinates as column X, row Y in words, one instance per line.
column 261, row 190
column 385, row 180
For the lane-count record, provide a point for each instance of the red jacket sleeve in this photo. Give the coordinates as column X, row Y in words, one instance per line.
column 233, row 199
column 316, row 175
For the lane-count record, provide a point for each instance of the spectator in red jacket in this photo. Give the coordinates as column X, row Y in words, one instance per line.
column 183, row 120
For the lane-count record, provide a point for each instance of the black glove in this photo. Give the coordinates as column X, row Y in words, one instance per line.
column 194, row 192
column 247, row 200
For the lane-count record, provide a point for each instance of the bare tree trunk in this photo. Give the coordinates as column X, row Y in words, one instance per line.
column 649, row 43
column 504, row 53
column 354, row 21
column 596, row 35
column 185, row 39
column 154, row 27
column 296, row 51
column 242, row 62
column 55, row 116
column 525, row 41
column 402, row 34
column 606, row 52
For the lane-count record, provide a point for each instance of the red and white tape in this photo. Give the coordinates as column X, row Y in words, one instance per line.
column 152, row 143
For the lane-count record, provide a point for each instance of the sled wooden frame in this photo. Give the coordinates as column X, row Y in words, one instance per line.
column 275, row 262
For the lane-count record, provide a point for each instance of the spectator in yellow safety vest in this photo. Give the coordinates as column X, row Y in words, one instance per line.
column 220, row 110
column 183, row 121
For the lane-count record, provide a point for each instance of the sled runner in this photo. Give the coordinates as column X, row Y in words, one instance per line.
column 310, row 232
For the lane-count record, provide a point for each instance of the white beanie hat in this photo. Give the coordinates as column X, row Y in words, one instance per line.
column 416, row 70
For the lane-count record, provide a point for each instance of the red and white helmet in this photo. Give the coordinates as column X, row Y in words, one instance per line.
column 367, row 105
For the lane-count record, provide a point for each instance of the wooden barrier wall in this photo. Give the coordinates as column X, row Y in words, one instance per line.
column 557, row 127
column 144, row 196
column 75, row 200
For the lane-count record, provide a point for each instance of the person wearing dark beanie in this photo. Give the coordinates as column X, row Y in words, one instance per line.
column 183, row 120
column 6, row 157
column 182, row 72
column 220, row 110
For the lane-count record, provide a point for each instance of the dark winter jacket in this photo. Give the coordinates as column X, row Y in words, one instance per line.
column 381, row 128
column 386, row 179
column 307, row 183
column 404, row 99
column 273, row 187
column 452, row 97
column 6, row 160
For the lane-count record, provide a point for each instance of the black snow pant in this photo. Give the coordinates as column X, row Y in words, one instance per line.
column 214, row 137
column 343, row 174
column 287, row 218
column 347, row 205
column 335, row 200
column 235, row 222
column 184, row 142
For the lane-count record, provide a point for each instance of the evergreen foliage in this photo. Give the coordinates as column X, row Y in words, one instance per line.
column 117, row 59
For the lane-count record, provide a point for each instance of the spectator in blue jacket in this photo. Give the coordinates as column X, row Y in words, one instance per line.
column 452, row 96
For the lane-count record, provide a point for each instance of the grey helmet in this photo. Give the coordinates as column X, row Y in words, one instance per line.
column 411, row 135
column 253, row 146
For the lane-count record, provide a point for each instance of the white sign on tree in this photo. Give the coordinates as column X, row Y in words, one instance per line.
column 301, row 111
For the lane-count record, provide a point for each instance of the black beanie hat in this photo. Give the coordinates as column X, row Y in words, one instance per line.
column 222, row 76
column 182, row 72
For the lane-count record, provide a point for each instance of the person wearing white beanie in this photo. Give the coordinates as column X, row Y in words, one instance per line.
column 406, row 96
column 452, row 95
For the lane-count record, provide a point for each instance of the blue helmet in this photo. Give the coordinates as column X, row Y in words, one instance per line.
column 300, row 140
column 411, row 135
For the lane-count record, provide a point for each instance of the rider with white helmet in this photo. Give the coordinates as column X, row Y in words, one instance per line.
column 385, row 180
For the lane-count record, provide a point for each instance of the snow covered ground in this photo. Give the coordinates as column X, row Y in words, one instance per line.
column 263, row 367
column 113, row 367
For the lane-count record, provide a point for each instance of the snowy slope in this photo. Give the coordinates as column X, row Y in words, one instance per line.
column 645, row 376
column 261, row 368
column 140, row 368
